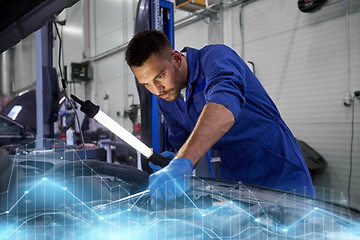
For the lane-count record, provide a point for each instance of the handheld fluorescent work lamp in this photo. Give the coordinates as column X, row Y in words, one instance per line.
column 93, row 111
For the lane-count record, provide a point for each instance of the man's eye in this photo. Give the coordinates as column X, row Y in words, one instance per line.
column 161, row 75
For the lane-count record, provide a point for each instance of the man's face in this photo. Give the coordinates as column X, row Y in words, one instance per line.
column 162, row 76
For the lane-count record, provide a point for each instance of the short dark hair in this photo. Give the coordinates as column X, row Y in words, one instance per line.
column 143, row 45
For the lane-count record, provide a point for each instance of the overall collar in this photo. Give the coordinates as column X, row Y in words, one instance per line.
column 192, row 58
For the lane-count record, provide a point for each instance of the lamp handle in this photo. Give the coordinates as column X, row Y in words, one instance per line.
column 156, row 159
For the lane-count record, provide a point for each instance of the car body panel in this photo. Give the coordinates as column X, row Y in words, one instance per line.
column 89, row 199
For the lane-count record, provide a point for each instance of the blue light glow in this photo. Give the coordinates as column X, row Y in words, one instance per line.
column 145, row 224
column 61, row 206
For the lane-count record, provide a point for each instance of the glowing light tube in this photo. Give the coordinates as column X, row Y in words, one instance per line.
column 122, row 133
column 93, row 111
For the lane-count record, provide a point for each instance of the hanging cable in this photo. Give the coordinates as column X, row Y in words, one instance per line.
column 59, row 54
column 351, row 149
column 348, row 44
column 63, row 82
column 352, row 102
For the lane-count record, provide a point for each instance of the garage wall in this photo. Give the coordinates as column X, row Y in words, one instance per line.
column 18, row 68
column 114, row 27
column 301, row 59
column 72, row 37
column 111, row 26
column 24, row 67
column 197, row 30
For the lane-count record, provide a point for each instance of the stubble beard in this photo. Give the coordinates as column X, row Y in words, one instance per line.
column 175, row 92
column 173, row 95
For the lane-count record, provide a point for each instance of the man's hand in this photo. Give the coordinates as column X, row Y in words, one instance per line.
column 167, row 155
column 170, row 182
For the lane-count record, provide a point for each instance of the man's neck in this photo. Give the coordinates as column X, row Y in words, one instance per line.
column 185, row 68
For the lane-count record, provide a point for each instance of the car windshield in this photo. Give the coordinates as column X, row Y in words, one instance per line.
column 53, row 194
column 9, row 128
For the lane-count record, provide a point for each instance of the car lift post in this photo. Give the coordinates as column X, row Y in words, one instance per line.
column 162, row 18
column 43, row 58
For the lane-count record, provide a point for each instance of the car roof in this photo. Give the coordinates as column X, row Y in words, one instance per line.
column 16, row 123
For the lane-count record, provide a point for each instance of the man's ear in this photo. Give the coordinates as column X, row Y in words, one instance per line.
column 176, row 56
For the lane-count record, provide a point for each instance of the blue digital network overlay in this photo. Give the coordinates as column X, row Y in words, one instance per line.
column 72, row 208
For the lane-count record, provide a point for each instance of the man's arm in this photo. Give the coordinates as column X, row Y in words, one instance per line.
column 214, row 121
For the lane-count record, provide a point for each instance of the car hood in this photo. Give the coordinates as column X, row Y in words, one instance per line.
column 20, row 18
column 78, row 199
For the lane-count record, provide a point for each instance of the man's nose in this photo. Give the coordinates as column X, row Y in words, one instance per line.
column 158, row 88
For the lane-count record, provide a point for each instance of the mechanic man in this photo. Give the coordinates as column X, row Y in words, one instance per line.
column 210, row 98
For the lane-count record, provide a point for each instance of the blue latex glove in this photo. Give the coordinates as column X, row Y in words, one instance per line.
column 167, row 155
column 170, row 182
